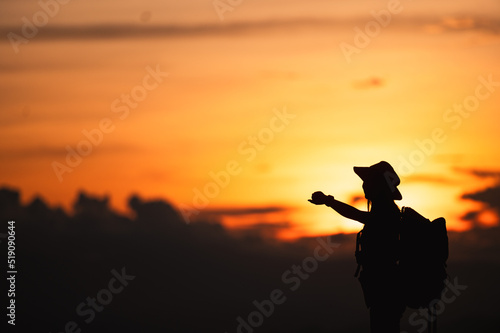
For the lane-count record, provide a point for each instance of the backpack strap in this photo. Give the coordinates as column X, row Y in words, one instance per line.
column 357, row 254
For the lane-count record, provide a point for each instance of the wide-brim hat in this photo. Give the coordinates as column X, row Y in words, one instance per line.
column 382, row 171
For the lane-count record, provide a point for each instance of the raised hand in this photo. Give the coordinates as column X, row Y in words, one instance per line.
column 318, row 198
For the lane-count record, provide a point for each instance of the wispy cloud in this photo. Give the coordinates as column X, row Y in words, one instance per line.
column 241, row 211
column 428, row 178
column 372, row 82
column 480, row 173
column 56, row 152
column 142, row 31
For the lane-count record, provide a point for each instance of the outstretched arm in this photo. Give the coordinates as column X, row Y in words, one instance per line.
column 318, row 198
column 348, row 211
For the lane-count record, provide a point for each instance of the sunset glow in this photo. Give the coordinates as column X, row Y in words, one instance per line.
column 253, row 113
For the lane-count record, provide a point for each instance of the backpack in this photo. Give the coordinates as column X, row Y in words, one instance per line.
column 423, row 251
column 422, row 258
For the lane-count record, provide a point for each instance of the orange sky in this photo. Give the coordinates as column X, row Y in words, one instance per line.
column 228, row 84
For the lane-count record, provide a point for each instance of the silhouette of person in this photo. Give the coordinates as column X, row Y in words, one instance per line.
column 377, row 244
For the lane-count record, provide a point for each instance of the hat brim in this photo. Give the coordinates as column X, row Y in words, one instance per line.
column 364, row 173
column 396, row 195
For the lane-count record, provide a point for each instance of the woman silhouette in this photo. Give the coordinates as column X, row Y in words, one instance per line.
column 378, row 242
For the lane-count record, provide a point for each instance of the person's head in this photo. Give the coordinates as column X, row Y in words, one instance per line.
column 380, row 182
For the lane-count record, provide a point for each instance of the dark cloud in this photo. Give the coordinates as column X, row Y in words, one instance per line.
column 489, row 196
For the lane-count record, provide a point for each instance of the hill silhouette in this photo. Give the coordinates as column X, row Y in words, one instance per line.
column 199, row 277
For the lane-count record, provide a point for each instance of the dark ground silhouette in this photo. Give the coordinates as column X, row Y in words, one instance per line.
column 200, row 277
